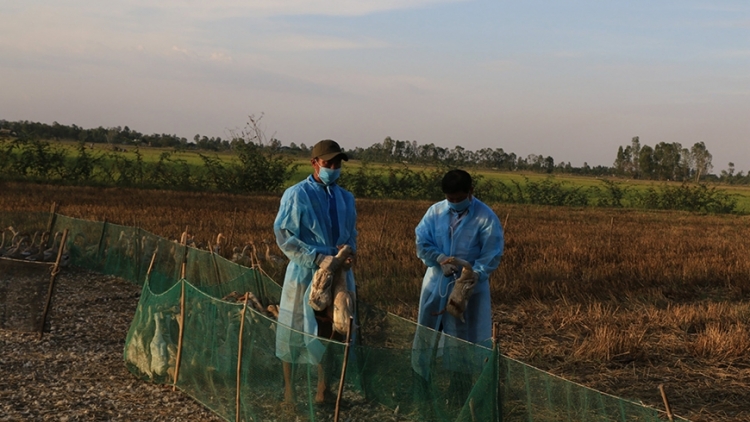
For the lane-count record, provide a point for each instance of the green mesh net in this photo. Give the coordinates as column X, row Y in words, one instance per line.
column 224, row 354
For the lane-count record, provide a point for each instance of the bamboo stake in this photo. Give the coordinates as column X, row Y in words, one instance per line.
column 101, row 237
column 55, row 271
column 151, row 265
column 183, row 266
column 239, row 360
column 52, row 218
column 666, row 402
column 505, row 223
column 179, row 340
column 343, row 369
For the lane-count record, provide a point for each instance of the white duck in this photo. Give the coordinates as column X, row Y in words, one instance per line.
column 159, row 350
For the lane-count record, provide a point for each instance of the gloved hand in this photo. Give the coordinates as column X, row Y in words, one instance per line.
column 448, row 268
column 327, row 262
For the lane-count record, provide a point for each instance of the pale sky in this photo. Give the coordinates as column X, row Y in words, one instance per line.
column 570, row 79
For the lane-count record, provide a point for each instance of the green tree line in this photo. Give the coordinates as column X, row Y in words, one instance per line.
column 664, row 161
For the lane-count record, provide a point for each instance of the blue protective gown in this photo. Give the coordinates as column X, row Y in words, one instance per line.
column 478, row 239
column 303, row 229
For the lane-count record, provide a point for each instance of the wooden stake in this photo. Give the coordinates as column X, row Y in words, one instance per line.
column 343, row 369
column 239, row 360
column 505, row 223
column 151, row 265
column 179, row 340
column 666, row 402
column 55, row 271
column 183, row 267
column 52, row 218
column 101, row 236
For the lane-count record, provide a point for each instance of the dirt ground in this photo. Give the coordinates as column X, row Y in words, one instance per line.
column 76, row 371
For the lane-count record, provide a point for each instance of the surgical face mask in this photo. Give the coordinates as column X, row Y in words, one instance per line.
column 328, row 176
column 460, row 206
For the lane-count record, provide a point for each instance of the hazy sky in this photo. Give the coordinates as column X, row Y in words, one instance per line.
column 570, row 79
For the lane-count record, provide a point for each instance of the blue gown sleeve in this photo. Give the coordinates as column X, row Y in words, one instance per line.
column 492, row 241
column 287, row 228
column 427, row 249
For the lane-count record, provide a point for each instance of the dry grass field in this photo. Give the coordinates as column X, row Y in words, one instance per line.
column 618, row 300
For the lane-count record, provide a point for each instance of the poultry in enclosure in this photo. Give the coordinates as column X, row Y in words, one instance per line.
column 159, row 350
column 241, row 257
column 50, row 254
column 32, row 248
column 320, row 291
column 135, row 351
column 271, row 258
column 126, row 244
column 236, row 254
column 86, row 249
column 184, row 237
column 11, row 240
column 16, row 251
column 231, row 297
column 252, row 300
column 254, row 257
column 13, row 231
column 39, row 255
column 273, row 310
column 217, row 248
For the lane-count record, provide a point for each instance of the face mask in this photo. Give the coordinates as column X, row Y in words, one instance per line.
column 328, row 176
column 460, row 206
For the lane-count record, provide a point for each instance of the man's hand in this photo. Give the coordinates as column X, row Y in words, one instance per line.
column 448, row 268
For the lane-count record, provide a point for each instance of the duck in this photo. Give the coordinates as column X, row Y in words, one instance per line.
column 36, row 252
column 158, row 348
column 50, row 254
column 16, row 250
column 273, row 259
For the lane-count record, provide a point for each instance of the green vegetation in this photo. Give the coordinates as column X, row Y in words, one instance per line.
column 254, row 166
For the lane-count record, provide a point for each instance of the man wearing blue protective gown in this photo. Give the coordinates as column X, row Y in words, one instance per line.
column 315, row 217
column 460, row 226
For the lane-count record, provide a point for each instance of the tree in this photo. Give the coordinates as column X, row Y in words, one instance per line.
column 623, row 160
column 667, row 160
column 549, row 164
column 635, row 155
column 701, row 160
column 646, row 164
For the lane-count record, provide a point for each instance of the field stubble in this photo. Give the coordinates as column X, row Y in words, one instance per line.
column 618, row 300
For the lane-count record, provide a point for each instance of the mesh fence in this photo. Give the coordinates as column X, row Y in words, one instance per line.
column 24, row 283
column 23, row 294
column 223, row 355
